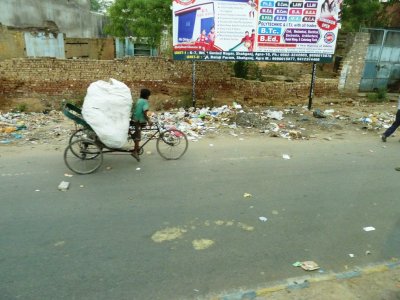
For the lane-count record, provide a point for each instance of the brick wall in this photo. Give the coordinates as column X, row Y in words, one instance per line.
column 70, row 78
column 254, row 91
column 58, row 77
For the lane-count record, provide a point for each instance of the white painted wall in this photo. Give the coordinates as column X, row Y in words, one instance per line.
column 73, row 17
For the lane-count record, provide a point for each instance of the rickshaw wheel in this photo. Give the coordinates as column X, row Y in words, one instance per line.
column 83, row 156
column 82, row 133
column 172, row 144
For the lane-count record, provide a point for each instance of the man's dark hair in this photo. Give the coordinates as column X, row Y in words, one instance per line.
column 145, row 93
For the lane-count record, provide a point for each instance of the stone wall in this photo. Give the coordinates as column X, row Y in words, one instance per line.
column 69, row 79
column 353, row 64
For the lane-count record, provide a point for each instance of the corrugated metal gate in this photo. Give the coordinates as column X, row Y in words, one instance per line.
column 43, row 44
column 127, row 47
column 382, row 64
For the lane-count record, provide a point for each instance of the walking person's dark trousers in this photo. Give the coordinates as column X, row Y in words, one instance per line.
column 394, row 126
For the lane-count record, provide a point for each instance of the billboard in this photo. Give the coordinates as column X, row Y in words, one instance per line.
column 256, row 30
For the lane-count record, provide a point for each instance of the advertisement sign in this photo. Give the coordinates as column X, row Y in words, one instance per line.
column 256, row 30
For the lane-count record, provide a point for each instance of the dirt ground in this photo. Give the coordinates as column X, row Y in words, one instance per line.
column 52, row 130
column 376, row 286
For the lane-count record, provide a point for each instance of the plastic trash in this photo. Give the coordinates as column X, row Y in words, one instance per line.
column 369, row 228
column 63, row 186
column 318, row 113
column 309, row 265
column 236, row 105
column 273, row 127
column 9, row 129
column 21, row 127
column 306, row 265
column 366, row 120
column 276, row 115
column 16, row 135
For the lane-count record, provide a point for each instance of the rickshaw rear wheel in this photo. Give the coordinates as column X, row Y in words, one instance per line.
column 83, row 156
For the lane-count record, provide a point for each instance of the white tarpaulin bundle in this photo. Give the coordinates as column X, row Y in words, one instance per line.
column 107, row 109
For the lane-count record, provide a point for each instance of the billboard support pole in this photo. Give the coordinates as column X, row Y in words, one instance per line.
column 194, row 83
column 310, row 97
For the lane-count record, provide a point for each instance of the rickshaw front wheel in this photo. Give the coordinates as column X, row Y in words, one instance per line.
column 172, row 144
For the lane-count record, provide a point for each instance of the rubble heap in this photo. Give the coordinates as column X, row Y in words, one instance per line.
column 289, row 123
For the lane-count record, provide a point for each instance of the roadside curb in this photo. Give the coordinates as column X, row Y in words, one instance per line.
column 306, row 281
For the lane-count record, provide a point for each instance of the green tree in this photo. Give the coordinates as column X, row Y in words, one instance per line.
column 94, row 5
column 365, row 13
column 144, row 19
column 99, row 5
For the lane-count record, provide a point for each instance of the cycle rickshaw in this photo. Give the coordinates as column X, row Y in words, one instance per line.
column 84, row 153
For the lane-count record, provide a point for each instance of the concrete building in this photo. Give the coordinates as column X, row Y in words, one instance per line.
column 71, row 17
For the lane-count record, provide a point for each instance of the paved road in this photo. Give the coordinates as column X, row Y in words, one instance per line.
column 95, row 241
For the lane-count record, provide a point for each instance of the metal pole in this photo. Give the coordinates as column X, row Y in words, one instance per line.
column 310, row 97
column 194, row 83
column 378, row 63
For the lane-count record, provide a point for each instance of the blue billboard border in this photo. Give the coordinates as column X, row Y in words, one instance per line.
column 254, row 56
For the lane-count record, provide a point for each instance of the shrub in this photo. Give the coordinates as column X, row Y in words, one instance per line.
column 241, row 69
column 20, row 107
column 379, row 96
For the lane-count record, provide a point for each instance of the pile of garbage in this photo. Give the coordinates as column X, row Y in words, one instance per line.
column 290, row 123
column 202, row 121
column 287, row 123
column 33, row 128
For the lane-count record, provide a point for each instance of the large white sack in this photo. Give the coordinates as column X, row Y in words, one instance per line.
column 107, row 109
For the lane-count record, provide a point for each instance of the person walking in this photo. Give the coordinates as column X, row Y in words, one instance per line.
column 395, row 124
